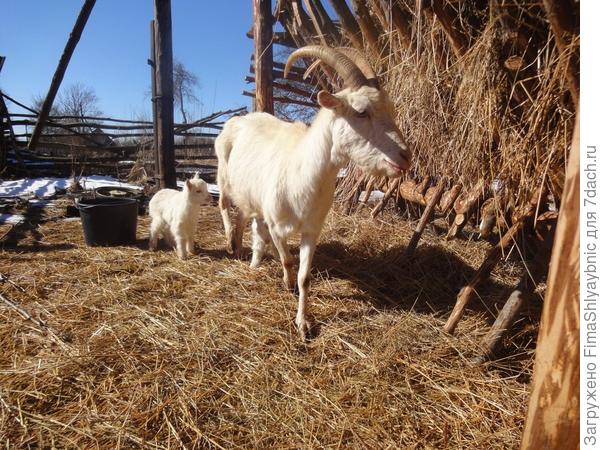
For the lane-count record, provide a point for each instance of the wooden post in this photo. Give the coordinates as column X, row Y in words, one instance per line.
column 164, row 94
column 367, row 26
column 263, row 55
column 59, row 74
column 152, row 64
column 391, row 189
column 427, row 214
column 553, row 413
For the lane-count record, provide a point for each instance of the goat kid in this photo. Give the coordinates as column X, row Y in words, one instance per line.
column 175, row 215
column 283, row 174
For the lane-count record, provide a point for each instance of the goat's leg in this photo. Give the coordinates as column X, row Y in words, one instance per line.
column 224, row 205
column 189, row 245
column 286, row 260
column 180, row 243
column 155, row 229
column 260, row 239
column 308, row 243
column 238, row 233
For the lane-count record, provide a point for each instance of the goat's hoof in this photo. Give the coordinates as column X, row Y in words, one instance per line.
column 304, row 330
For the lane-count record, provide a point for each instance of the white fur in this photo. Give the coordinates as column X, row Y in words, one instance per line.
column 175, row 215
column 283, row 174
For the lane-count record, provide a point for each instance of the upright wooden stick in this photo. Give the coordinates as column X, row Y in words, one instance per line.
column 59, row 74
column 263, row 55
column 427, row 214
column 164, row 94
column 553, row 414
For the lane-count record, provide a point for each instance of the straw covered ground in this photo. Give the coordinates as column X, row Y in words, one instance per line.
column 131, row 349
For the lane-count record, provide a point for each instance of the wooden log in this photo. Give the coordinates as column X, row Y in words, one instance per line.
column 535, row 273
column 312, row 95
column 367, row 26
column 562, row 18
column 263, row 55
column 553, row 412
column 348, row 22
column 491, row 259
column 487, row 216
column 425, row 218
column 448, row 198
column 59, row 73
column 164, row 92
column 390, row 191
column 464, row 206
column 414, row 192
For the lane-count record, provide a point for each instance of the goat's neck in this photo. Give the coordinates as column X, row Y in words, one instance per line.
column 318, row 163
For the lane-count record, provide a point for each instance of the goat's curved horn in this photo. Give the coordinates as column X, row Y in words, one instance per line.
column 344, row 66
column 361, row 62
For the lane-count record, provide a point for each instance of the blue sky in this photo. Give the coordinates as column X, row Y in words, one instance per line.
column 209, row 37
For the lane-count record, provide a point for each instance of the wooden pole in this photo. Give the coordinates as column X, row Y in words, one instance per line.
column 165, row 140
column 553, row 413
column 59, row 74
column 152, row 64
column 427, row 214
column 348, row 22
column 263, row 55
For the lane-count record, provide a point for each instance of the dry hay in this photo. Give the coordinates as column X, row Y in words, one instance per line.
column 131, row 349
column 471, row 118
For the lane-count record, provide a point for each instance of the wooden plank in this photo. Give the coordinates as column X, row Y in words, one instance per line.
column 164, row 93
column 263, row 55
column 553, row 413
column 59, row 74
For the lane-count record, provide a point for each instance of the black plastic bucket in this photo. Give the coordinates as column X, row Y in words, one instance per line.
column 108, row 220
column 123, row 192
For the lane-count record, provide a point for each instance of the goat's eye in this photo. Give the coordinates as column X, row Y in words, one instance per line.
column 362, row 114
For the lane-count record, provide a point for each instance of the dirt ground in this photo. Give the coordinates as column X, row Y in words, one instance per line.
column 123, row 348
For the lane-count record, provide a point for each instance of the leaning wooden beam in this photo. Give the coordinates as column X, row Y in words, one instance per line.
column 391, row 189
column 492, row 258
column 328, row 33
column 448, row 198
column 263, row 55
column 450, row 21
column 367, row 27
column 59, row 74
column 401, row 21
column 289, row 88
column 425, row 218
column 348, row 22
column 164, row 92
column 544, row 231
column 464, row 206
column 368, row 192
column 562, row 18
column 553, row 413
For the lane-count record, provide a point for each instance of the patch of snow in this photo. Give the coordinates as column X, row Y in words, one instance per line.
column 13, row 219
column 47, row 186
column 375, row 195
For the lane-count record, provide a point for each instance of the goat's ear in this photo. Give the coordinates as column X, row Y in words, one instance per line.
column 329, row 101
column 188, row 184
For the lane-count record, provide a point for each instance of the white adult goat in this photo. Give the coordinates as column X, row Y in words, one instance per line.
column 283, row 174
